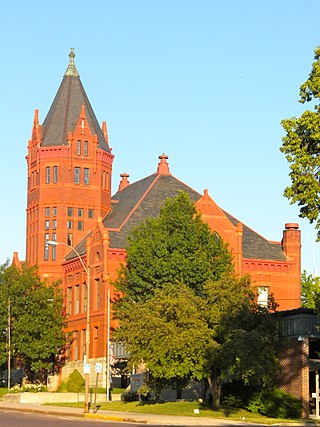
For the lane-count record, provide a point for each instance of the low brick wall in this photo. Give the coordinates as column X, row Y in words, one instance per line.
column 45, row 397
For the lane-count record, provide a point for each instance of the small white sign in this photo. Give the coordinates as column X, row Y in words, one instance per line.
column 98, row 368
column 86, row 368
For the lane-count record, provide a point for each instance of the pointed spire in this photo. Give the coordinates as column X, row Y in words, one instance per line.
column 71, row 70
column 163, row 167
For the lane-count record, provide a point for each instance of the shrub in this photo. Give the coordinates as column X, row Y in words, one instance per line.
column 275, row 403
column 31, row 388
column 129, row 396
column 75, row 382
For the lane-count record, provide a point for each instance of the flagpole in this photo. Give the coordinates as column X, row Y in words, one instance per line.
column 108, row 349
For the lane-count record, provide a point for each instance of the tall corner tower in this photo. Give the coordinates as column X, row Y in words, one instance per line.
column 69, row 175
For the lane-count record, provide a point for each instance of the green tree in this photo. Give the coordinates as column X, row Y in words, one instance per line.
column 310, row 289
column 244, row 335
column 168, row 333
column 301, row 146
column 37, row 318
column 176, row 247
column 185, row 314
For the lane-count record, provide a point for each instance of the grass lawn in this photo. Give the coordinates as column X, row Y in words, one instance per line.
column 183, row 408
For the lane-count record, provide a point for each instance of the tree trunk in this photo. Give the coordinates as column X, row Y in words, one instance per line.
column 215, row 384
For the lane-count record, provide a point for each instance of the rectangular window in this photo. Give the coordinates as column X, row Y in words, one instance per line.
column 46, row 247
column 77, row 299
column 80, row 225
column 76, row 346
column 54, row 248
column 263, row 295
column 48, row 175
column 103, row 179
column 54, row 224
column 55, row 174
column 69, row 225
column 69, row 301
column 69, row 239
column 47, row 224
column 47, row 213
column 54, row 211
column 78, row 148
column 85, row 150
column 77, row 175
column 90, row 213
column 85, row 297
column 70, row 211
column 86, row 176
column 80, row 212
column 97, row 289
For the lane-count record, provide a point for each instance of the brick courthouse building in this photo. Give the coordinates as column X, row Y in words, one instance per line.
column 69, row 201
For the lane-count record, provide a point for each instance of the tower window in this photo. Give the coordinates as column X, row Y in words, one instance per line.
column 46, row 247
column 54, row 211
column 69, row 239
column 69, row 225
column 47, row 224
column 54, row 248
column 86, row 176
column 78, row 148
column 47, row 174
column 47, row 212
column 54, row 224
column 77, row 175
column 80, row 225
column 80, row 212
column 55, row 174
column 85, row 148
column 90, row 213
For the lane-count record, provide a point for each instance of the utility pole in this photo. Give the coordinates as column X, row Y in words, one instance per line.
column 9, row 344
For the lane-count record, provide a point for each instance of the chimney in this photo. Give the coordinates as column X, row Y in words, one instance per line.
column 291, row 242
column 124, row 181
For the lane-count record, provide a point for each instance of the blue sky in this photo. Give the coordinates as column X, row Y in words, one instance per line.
column 206, row 82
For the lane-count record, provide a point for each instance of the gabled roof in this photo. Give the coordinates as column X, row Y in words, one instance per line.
column 65, row 110
column 144, row 198
column 140, row 200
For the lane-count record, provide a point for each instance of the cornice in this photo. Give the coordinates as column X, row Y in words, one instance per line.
column 262, row 265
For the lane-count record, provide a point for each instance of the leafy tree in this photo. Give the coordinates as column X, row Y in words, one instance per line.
column 222, row 336
column 185, row 314
column 301, row 146
column 36, row 317
column 168, row 333
column 244, row 335
column 176, row 247
column 310, row 289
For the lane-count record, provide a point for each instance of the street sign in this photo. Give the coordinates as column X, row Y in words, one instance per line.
column 86, row 368
column 98, row 368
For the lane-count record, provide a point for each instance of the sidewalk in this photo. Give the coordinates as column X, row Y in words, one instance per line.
column 121, row 416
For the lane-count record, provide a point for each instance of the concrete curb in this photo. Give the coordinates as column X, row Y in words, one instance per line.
column 71, row 414
column 114, row 418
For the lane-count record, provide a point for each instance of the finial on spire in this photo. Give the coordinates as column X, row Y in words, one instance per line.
column 71, row 70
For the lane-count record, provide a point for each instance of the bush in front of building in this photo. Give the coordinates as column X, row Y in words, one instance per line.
column 275, row 403
column 74, row 383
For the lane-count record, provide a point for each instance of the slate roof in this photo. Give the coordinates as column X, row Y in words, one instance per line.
column 65, row 110
column 140, row 200
column 144, row 198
